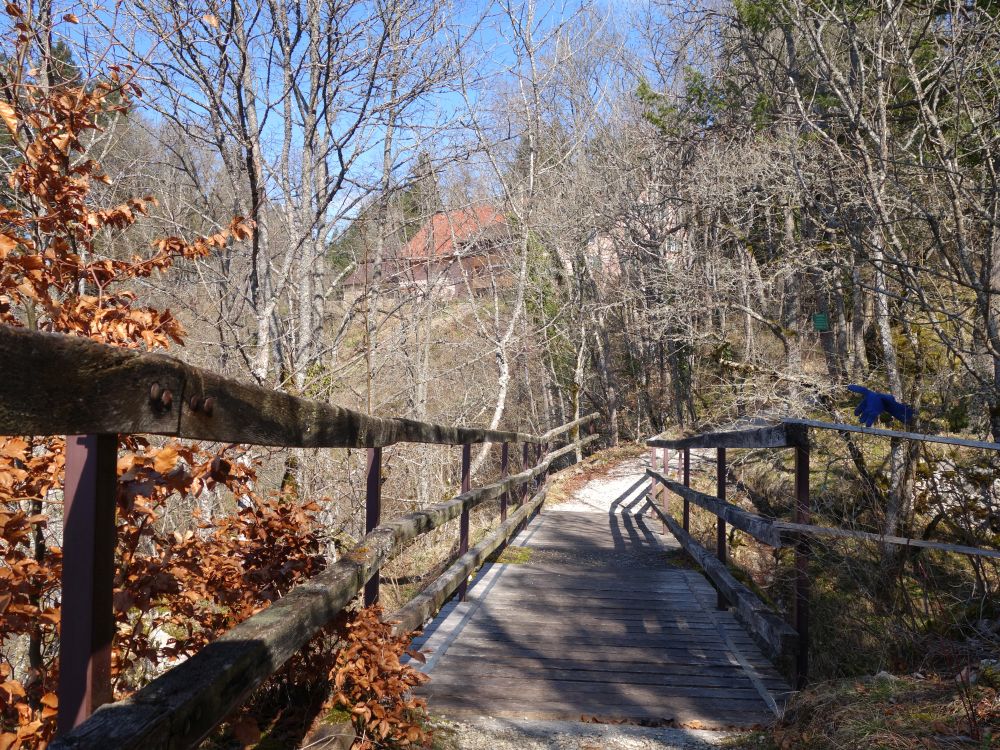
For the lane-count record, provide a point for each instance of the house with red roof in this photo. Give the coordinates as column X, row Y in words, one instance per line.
column 454, row 253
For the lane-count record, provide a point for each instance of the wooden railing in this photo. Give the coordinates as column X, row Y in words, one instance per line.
column 777, row 638
column 60, row 385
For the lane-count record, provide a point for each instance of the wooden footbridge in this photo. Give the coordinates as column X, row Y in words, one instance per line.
column 598, row 624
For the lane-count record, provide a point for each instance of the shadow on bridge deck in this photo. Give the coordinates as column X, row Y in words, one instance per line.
column 597, row 625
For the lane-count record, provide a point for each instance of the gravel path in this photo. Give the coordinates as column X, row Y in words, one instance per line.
column 509, row 734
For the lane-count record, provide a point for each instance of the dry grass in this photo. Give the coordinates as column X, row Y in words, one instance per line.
column 903, row 713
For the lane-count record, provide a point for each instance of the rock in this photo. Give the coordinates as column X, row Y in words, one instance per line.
column 883, row 675
column 337, row 736
column 968, row 676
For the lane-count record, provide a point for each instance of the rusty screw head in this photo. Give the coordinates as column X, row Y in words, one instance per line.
column 208, row 405
column 154, row 392
column 195, row 403
column 166, row 399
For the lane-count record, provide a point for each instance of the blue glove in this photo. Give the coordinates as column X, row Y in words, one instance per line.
column 902, row 412
column 874, row 403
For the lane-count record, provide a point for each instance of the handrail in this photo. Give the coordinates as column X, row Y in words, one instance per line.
column 557, row 431
column 798, row 534
column 878, row 431
column 68, row 385
column 179, row 708
column 791, row 432
column 771, row 436
column 781, row 534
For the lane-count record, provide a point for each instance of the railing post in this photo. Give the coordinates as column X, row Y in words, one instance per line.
column 373, row 514
column 687, row 483
column 463, row 533
column 88, row 623
column 664, row 494
column 720, row 524
column 653, row 494
column 504, row 473
column 526, row 487
column 802, row 554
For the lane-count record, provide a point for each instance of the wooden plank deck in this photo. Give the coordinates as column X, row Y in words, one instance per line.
column 597, row 625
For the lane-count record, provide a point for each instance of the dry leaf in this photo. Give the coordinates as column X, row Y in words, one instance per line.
column 246, row 732
column 165, row 460
column 211, row 20
column 8, row 116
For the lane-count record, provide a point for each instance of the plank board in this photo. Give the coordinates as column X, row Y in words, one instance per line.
column 597, row 624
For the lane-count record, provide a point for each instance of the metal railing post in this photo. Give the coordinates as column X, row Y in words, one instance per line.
column 87, row 577
column 802, row 554
column 463, row 533
column 373, row 514
column 687, row 483
column 504, row 473
column 664, row 494
column 652, row 482
column 526, row 487
column 720, row 524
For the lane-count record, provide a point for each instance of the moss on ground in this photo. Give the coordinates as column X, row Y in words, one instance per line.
column 515, row 555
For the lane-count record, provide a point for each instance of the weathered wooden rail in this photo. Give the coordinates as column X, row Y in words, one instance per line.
column 777, row 638
column 60, row 385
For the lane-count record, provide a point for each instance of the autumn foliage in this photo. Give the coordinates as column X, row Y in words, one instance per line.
column 176, row 588
column 371, row 682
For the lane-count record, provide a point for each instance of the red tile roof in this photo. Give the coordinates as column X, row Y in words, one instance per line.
column 446, row 232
